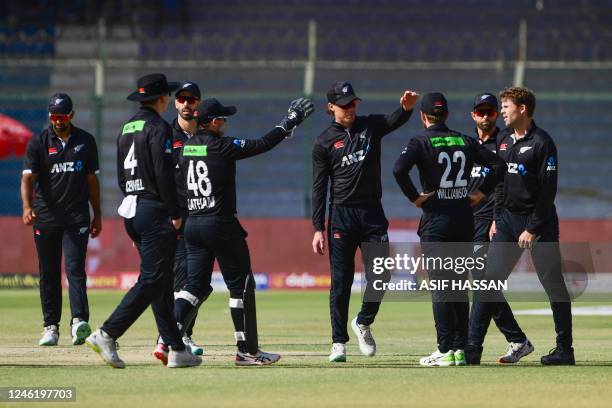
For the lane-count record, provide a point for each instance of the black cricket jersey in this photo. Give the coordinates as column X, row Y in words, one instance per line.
column 530, row 181
column 484, row 209
column 61, row 192
column 179, row 137
column 350, row 159
column 145, row 165
column 445, row 159
column 208, row 167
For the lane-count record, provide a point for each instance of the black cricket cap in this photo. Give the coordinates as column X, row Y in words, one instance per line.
column 211, row 108
column 434, row 103
column 191, row 88
column 60, row 103
column 486, row 99
column 341, row 94
column 151, row 87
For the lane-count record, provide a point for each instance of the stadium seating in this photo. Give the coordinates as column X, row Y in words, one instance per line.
column 397, row 30
column 26, row 41
column 571, row 102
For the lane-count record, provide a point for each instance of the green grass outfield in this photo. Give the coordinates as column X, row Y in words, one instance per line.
column 296, row 324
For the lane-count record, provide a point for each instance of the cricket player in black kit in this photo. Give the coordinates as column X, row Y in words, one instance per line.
column 445, row 159
column 186, row 101
column 145, row 172
column 484, row 114
column 59, row 179
column 348, row 154
column 527, row 216
column 208, row 164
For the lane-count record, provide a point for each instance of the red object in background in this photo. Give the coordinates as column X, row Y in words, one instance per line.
column 14, row 137
column 112, row 260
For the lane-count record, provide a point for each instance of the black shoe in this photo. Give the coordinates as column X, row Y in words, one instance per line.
column 559, row 356
column 473, row 354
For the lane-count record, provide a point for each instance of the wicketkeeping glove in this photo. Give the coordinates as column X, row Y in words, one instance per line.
column 298, row 111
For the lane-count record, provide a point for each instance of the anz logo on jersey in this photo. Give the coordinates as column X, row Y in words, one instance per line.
column 356, row 157
column 480, row 171
column 517, row 168
column 551, row 164
column 67, row 167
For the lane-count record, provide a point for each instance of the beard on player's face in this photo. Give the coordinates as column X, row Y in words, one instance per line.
column 486, row 125
column 61, row 126
column 187, row 114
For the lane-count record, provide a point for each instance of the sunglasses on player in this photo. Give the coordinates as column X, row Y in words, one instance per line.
column 481, row 113
column 189, row 99
column 57, row 117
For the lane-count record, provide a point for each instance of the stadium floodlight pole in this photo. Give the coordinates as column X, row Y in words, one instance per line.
column 309, row 75
column 519, row 70
column 309, row 69
column 99, row 79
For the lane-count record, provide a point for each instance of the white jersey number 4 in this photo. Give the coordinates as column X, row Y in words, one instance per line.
column 130, row 161
column 197, row 179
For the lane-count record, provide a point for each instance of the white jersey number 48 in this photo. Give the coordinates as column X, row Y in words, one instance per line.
column 197, row 178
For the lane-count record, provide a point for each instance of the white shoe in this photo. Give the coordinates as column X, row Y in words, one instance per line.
column 261, row 358
column 437, row 359
column 338, row 353
column 50, row 336
column 195, row 349
column 79, row 330
column 106, row 347
column 183, row 358
column 516, row 351
column 367, row 345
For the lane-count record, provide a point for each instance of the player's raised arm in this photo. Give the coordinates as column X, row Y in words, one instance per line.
column 397, row 118
column 299, row 110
